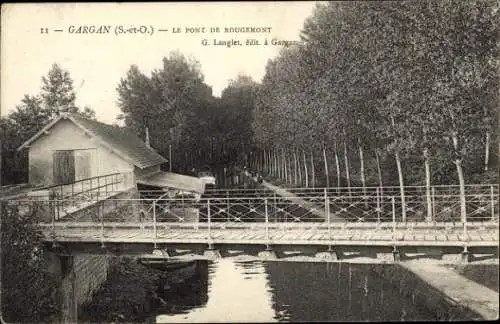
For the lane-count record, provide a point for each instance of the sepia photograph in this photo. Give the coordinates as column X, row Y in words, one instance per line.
column 242, row 162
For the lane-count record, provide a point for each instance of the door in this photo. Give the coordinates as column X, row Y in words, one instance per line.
column 83, row 164
column 63, row 167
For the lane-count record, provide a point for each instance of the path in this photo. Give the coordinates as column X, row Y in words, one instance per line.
column 476, row 297
column 314, row 208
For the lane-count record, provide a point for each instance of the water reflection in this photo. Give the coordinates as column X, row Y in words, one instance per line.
column 236, row 292
column 297, row 292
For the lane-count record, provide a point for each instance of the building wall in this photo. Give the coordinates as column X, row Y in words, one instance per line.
column 84, row 277
column 67, row 136
column 123, row 207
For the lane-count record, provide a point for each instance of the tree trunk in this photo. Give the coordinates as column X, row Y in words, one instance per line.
column 458, row 163
column 348, row 178
column 487, row 151
column 327, row 177
column 305, row 169
column 362, row 167
column 401, row 187
column 379, row 170
column 290, row 164
column 264, row 161
column 269, row 162
column 278, row 168
column 428, row 186
column 275, row 164
column 313, row 176
column 295, row 167
column 299, row 169
column 283, row 158
column 337, row 164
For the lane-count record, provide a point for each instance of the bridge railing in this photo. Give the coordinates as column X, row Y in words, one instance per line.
column 67, row 198
column 334, row 216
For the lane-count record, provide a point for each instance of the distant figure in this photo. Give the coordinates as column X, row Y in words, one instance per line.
column 259, row 178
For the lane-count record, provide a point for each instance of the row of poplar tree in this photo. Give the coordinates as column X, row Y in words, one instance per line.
column 382, row 86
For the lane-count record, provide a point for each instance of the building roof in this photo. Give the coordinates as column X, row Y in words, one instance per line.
column 122, row 142
column 174, row 180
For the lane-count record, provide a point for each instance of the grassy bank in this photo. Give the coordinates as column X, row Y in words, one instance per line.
column 484, row 274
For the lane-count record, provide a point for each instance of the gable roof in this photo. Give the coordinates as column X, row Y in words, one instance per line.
column 122, row 142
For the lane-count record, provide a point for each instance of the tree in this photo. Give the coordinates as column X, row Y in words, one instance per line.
column 174, row 104
column 28, row 290
column 31, row 116
column 57, row 91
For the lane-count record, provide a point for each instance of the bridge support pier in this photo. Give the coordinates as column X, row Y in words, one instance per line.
column 465, row 255
column 396, row 255
column 162, row 253
column 327, row 256
column 267, row 254
column 212, row 254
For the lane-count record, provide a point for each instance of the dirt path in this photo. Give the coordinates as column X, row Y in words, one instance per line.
column 314, row 208
column 476, row 297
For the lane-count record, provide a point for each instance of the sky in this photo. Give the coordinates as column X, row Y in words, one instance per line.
column 30, row 44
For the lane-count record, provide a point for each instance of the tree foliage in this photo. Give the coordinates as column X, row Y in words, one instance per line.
column 393, row 77
column 28, row 291
column 178, row 109
column 34, row 112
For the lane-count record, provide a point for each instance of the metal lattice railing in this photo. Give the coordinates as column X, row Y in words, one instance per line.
column 327, row 215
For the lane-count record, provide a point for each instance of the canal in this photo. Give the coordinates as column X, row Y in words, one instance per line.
column 246, row 290
column 256, row 291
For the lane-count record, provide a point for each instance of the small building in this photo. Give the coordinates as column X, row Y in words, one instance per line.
column 79, row 154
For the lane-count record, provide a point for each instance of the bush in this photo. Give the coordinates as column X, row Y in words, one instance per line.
column 28, row 291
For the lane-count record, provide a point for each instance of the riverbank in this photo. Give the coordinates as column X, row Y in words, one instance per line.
column 485, row 274
column 128, row 295
column 460, row 290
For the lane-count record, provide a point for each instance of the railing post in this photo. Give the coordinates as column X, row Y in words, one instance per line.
column 53, row 214
column 73, row 193
column 433, row 192
column 106, row 186
column 209, row 225
column 275, row 209
column 465, row 231
column 492, row 197
column 228, row 205
column 327, row 214
column 101, row 216
column 329, row 224
column 267, row 223
column 378, row 204
column 393, row 220
column 98, row 187
column 154, row 224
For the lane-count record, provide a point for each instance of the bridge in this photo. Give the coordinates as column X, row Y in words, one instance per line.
column 275, row 222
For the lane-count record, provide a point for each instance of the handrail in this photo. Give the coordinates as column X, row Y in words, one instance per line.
column 77, row 181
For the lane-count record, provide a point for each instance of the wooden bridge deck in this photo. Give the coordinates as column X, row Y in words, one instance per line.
column 282, row 234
